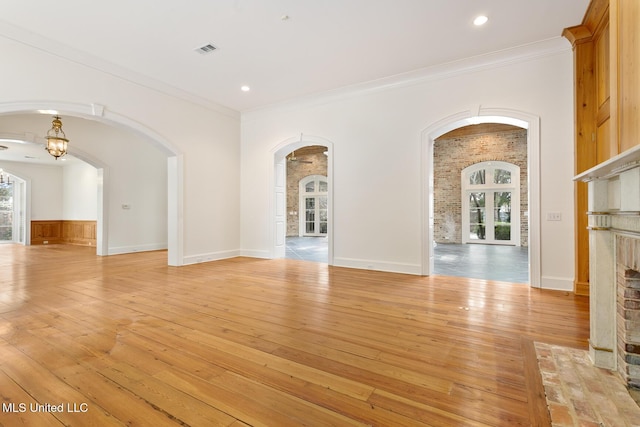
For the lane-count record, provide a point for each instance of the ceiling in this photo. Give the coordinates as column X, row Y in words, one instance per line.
column 282, row 49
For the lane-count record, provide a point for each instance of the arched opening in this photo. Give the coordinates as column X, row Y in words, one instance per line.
column 96, row 113
column 509, row 117
column 300, row 162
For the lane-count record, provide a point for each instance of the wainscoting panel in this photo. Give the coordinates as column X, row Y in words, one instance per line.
column 63, row 231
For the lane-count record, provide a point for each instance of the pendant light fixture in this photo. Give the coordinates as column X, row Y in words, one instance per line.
column 3, row 182
column 56, row 139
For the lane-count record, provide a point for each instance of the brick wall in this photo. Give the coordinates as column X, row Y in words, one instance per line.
column 297, row 171
column 457, row 150
column 628, row 309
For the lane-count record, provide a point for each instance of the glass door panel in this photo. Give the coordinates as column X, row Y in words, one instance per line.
column 502, row 215
column 477, row 216
column 322, row 214
column 6, row 212
column 310, row 215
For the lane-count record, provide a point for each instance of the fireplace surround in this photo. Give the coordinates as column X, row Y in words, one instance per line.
column 614, row 264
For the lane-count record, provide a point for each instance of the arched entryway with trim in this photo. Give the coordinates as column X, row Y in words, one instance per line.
column 477, row 116
column 100, row 114
column 278, row 179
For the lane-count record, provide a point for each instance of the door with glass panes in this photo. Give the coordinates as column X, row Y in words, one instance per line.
column 491, row 203
column 313, row 206
column 6, row 208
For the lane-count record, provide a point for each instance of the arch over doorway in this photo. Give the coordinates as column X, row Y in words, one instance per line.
column 277, row 183
column 484, row 115
column 174, row 167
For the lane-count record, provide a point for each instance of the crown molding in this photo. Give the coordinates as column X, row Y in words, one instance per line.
column 523, row 53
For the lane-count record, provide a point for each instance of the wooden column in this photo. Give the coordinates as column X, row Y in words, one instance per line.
column 581, row 39
column 593, row 143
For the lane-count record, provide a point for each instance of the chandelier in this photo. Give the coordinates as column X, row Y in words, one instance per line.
column 5, row 182
column 56, row 139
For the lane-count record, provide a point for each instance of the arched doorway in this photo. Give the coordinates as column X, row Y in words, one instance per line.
column 279, row 212
column 511, row 117
column 99, row 114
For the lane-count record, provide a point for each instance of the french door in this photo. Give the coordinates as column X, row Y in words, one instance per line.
column 313, row 206
column 7, row 208
column 491, row 203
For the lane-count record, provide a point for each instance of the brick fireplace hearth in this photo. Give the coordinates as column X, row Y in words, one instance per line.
column 628, row 309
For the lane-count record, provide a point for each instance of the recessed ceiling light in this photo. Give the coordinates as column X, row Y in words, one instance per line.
column 480, row 20
column 245, row 88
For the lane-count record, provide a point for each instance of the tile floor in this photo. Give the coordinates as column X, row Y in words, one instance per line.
column 490, row 262
column 314, row 249
column 579, row 394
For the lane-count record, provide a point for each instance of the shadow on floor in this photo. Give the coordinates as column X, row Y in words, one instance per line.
column 489, row 262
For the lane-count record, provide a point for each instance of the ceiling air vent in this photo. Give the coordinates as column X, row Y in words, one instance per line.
column 207, row 48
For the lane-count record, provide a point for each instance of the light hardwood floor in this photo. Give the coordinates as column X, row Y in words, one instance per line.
column 127, row 340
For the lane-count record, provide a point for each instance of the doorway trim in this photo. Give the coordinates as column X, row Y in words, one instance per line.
column 476, row 116
column 277, row 185
column 175, row 237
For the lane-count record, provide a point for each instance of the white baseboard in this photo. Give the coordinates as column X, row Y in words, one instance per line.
column 556, row 283
column 390, row 267
column 255, row 253
column 211, row 256
column 139, row 248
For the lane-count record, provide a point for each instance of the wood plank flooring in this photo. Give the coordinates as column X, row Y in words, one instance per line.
column 127, row 340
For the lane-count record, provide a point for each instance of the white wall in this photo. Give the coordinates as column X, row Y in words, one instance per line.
column 80, row 192
column 378, row 168
column 204, row 138
column 45, row 183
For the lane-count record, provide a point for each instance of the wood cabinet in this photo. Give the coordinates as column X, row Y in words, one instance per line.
column 606, row 50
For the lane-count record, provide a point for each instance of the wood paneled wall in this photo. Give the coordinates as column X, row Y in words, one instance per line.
column 63, row 232
column 606, row 50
